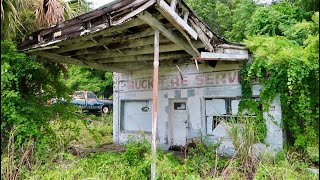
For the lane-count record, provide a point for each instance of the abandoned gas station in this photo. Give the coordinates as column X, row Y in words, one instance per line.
column 173, row 76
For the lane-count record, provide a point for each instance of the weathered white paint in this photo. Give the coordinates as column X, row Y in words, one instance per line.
column 178, row 123
column 224, row 56
column 219, row 82
column 215, row 107
column 134, row 119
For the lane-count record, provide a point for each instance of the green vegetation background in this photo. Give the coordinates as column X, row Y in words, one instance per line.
column 283, row 38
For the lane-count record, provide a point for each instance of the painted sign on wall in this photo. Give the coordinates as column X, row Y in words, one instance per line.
column 184, row 81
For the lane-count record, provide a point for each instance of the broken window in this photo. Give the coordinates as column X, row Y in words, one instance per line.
column 222, row 109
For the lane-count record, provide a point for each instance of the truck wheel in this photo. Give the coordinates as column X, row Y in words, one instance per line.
column 105, row 109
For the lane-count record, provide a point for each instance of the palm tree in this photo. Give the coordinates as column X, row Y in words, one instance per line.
column 10, row 19
column 48, row 12
column 52, row 12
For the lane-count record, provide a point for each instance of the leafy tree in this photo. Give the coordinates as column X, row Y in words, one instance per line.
column 235, row 17
column 24, row 77
column 284, row 66
column 80, row 78
column 227, row 18
column 308, row 6
column 275, row 19
column 205, row 9
column 19, row 108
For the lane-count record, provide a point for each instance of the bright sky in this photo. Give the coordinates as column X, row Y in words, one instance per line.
column 98, row 3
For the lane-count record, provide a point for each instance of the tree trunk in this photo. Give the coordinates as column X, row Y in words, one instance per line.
column 40, row 92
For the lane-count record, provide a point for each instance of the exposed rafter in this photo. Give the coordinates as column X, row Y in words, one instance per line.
column 153, row 22
column 64, row 59
column 171, row 15
column 141, row 58
column 134, row 51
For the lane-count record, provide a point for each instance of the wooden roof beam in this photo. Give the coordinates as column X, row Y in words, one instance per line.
column 136, row 51
column 64, row 59
column 105, row 32
column 153, row 22
column 173, row 21
column 101, row 42
column 147, row 64
column 135, row 12
column 170, row 13
column 140, row 58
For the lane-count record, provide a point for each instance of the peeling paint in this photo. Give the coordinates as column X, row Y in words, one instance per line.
column 195, row 98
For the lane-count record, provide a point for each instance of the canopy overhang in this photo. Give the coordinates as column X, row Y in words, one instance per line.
column 119, row 37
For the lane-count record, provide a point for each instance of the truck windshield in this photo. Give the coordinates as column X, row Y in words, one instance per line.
column 91, row 95
column 79, row 95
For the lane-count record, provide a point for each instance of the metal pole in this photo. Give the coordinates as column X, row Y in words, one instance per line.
column 155, row 103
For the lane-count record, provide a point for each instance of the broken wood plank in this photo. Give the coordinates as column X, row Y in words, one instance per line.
column 105, row 32
column 173, row 5
column 153, row 22
column 135, row 12
column 186, row 16
column 104, row 41
column 203, row 37
column 183, row 24
column 172, row 21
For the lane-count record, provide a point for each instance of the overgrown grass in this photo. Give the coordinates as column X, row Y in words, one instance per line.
column 201, row 162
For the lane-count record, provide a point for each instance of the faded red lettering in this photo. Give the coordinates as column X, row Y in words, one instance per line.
column 137, row 84
column 184, row 81
column 223, row 78
column 200, row 80
column 232, row 77
column 144, row 84
column 150, row 85
column 217, row 78
column 175, row 82
column 209, row 78
column 131, row 85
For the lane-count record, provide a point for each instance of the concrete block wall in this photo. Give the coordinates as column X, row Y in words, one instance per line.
column 195, row 86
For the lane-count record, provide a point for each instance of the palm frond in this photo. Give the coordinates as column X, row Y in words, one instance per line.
column 10, row 16
column 50, row 12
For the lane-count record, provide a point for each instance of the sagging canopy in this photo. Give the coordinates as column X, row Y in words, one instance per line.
column 119, row 37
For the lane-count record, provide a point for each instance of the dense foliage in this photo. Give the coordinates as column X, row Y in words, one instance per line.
column 100, row 82
column 284, row 40
column 20, row 109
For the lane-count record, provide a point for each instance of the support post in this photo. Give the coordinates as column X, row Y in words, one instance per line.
column 155, row 103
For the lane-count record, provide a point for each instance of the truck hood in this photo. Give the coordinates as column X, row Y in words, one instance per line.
column 106, row 101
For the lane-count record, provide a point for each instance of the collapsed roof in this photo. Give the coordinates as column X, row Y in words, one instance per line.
column 119, row 36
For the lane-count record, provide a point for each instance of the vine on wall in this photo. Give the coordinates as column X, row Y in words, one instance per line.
column 292, row 70
column 250, row 105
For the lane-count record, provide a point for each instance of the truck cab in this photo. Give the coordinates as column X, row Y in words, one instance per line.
column 87, row 100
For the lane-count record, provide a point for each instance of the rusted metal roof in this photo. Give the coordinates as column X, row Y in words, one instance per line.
column 119, row 36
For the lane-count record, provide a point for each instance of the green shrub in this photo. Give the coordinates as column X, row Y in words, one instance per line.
column 289, row 166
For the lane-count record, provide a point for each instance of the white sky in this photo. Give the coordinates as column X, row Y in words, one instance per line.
column 98, row 3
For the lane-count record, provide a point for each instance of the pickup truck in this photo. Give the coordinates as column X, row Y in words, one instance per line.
column 87, row 100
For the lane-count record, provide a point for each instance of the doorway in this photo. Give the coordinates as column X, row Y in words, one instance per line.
column 178, row 122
